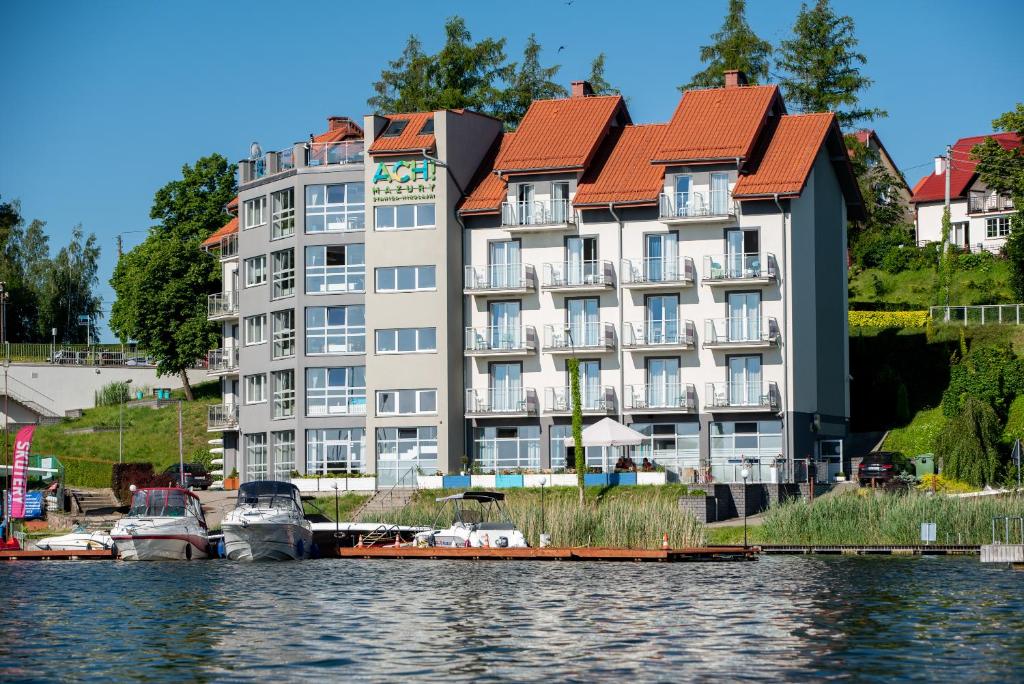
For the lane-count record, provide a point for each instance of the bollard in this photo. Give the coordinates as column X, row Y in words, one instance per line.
column 664, row 540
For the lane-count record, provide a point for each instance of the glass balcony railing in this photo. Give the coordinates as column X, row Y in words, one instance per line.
column 740, row 330
column 222, row 360
column 500, row 277
column 665, row 396
column 726, row 267
column 668, row 333
column 537, row 214
column 579, row 274
column 501, row 339
column 222, row 305
column 657, row 271
column 222, row 417
column 331, row 153
column 593, row 399
column 743, row 395
column 691, row 205
column 583, row 336
column 504, row 401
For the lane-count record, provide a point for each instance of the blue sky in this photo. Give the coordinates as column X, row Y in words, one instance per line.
column 104, row 101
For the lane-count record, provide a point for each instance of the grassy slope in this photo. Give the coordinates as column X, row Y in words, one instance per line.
column 918, row 437
column 347, row 504
column 918, row 288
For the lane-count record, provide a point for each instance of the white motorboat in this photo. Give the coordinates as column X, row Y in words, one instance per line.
column 78, row 540
column 267, row 523
column 478, row 520
column 164, row 523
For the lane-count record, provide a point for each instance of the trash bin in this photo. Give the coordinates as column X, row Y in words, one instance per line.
column 138, row 395
column 924, row 464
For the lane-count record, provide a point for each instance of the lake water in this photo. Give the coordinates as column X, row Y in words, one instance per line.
column 789, row 618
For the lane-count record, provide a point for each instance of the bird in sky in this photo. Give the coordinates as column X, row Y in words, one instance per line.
column 560, row 48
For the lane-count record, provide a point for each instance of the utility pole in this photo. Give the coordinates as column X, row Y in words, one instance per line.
column 947, row 212
column 181, row 450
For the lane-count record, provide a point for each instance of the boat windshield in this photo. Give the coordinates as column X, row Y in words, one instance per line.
column 158, row 502
column 268, row 494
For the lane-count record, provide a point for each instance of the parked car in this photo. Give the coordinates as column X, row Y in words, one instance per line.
column 881, row 466
column 196, row 476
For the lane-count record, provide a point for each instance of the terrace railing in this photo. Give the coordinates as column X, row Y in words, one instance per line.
column 685, row 205
column 979, row 314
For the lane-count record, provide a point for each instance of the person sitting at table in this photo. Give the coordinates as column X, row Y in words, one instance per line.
column 647, row 466
column 620, row 464
column 630, row 465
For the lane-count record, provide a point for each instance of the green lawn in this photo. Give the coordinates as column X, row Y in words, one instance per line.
column 347, row 505
column 918, row 437
column 918, row 289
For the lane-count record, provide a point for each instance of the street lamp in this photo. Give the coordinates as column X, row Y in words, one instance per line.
column 120, row 421
column 745, row 473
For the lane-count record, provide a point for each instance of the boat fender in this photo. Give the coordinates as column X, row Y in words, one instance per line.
column 221, row 550
column 188, row 552
column 486, row 542
column 501, row 542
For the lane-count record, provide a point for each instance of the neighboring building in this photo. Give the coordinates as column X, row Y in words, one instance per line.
column 901, row 191
column 696, row 268
column 980, row 217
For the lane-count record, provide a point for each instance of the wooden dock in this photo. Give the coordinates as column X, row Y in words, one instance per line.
column 696, row 554
column 39, row 554
column 871, row 550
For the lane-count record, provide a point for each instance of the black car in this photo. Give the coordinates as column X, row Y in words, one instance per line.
column 881, row 466
column 196, row 476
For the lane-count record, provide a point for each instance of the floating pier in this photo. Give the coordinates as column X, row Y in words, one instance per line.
column 695, row 554
column 39, row 554
column 872, row 549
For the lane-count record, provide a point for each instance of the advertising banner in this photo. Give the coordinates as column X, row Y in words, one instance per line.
column 19, row 480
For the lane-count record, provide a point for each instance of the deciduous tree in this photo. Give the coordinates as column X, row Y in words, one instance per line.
column 734, row 46
column 968, row 445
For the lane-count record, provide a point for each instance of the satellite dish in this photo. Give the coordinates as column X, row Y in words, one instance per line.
column 255, row 151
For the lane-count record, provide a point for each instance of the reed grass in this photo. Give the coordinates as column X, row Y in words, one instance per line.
column 619, row 517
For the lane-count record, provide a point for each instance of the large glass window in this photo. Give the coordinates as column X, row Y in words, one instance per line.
column 335, row 451
column 255, row 389
column 336, row 329
column 256, row 270
column 406, row 402
column 997, row 227
column 284, row 454
column 401, row 451
column 256, row 456
column 673, row 446
column 283, row 273
column 506, row 448
column 283, row 334
column 404, row 217
column 336, row 391
column 406, row 278
column 335, row 208
column 282, row 215
column 406, row 340
column 335, row 268
column 564, row 457
column 758, row 444
column 254, row 212
column 284, row 393
column 255, row 329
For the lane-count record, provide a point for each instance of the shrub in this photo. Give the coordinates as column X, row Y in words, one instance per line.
column 888, row 319
column 943, row 484
column 992, row 374
column 968, row 445
column 976, row 261
column 124, row 475
column 112, row 394
column 898, row 259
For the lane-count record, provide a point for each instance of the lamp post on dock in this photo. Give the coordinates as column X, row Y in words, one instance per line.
column 745, row 473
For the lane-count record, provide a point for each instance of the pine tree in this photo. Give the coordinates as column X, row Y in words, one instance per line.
column 735, row 46
column 529, row 81
column 821, row 66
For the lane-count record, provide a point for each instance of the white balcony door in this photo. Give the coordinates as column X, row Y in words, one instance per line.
column 581, row 260
column 584, row 321
column 661, row 260
column 744, row 316
column 590, row 384
column 719, row 194
column 504, row 264
column 505, row 330
column 743, row 249
column 744, row 380
column 683, row 197
column 506, row 386
column 662, row 319
column 559, row 202
column 524, row 207
column 662, row 381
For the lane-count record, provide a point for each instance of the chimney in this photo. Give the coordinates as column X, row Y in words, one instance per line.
column 581, row 89
column 343, row 123
column 940, row 166
column 735, row 78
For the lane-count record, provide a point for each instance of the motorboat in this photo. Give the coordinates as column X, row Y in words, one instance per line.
column 163, row 523
column 78, row 539
column 478, row 520
column 267, row 523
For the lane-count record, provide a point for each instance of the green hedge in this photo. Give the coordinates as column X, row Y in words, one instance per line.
column 888, row 319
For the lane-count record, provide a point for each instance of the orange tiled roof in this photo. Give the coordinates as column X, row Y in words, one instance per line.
column 227, row 229
column 409, row 140
column 233, row 205
column 625, row 173
column 717, row 123
column 787, row 161
column 491, row 189
column 560, row 134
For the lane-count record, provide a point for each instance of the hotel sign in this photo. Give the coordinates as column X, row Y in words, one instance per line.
column 405, row 180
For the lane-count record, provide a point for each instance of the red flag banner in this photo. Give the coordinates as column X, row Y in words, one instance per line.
column 19, row 484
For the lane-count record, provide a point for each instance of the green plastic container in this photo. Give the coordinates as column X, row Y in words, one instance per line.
column 924, row 464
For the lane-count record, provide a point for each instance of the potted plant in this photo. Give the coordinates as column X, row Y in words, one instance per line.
column 231, row 481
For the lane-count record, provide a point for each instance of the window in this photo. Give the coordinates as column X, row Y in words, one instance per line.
column 256, row 456
column 335, row 208
column 255, row 389
column 404, row 217
column 406, row 340
column 256, row 329
column 674, row 446
column 256, row 270
column 336, row 329
column 428, row 126
column 564, row 457
column 336, row 391
column 395, row 128
column 504, row 448
column 282, row 215
column 335, row 268
column 335, row 451
column 406, row 402
column 997, row 227
column 402, row 449
column 283, row 333
column 255, row 212
column 284, row 454
column 758, row 443
column 406, row 278
column 283, row 273
column 284, row 394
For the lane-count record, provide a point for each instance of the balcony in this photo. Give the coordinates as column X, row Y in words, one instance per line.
column 503, row 279
column 980, row 204
column 303, row 154
column 334, row 153
column 661, row 398
column 742, row 396
column 696, row 207
column 739, row 269
column 501, row 403
column 222, row 361
column 229, row 247
column 588, row 337
column 537, row 216
column 658, row 335
column 222, row 305
column 741, row 332
column 584, row 276
column 222, row 418
column 594, row 399
column 501, row 341
column 656, row 273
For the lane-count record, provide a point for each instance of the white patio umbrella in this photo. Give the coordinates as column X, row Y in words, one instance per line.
column 605, row 433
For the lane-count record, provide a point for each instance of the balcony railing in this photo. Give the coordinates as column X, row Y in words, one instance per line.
column 981, row 203
column 501, row 278
column 498, row 340
column 229, row 247
column 222, row 360
column 593, row 399
column 664, row 396
column 740, row 331
column 583, row 337
column 222, row 305
column 222, row 417
column 330, row 153
column 579, row 275
column 657, row 271
column 758, row 396
column 658, row 334
column 735, row 267
column 696, row 205
column 537, row 214
column 505, row 402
